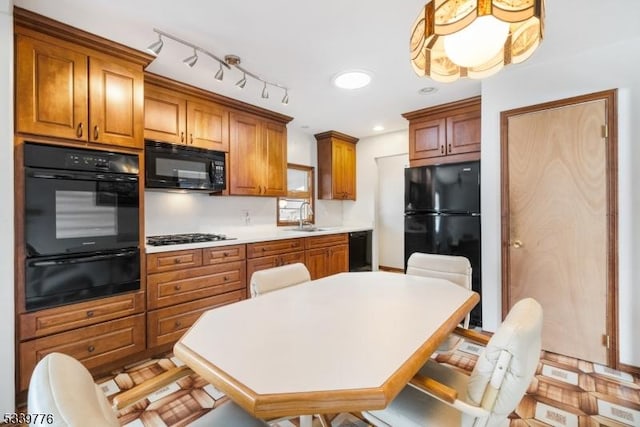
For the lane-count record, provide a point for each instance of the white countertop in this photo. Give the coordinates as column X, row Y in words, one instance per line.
column 242, row 235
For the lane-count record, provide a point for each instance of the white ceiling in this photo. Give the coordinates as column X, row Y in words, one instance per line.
column 302, row 45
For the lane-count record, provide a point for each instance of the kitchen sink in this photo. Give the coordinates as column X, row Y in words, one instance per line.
column 309, row 229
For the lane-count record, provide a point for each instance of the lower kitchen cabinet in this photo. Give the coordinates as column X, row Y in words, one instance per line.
column 94, row 345
column 327, row 255
column 273, row 253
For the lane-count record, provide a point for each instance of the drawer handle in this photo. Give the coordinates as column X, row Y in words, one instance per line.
column 177, row 287
column 225, row 254
column 191, row 137
column 226, row 278
column 263, row 249
column 90, row 313
column 182, row 136
column 178, row 324
column 91, row 349
column 177, row 261
column 79, row 130
column 449, row 148
column 442, row 149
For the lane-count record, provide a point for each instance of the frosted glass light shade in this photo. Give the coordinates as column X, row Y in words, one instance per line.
column 477, row 43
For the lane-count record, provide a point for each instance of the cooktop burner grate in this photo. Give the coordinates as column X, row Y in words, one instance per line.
column 179, row 239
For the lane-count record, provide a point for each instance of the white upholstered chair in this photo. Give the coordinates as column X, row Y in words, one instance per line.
column 442, row 396
column 61, row 386
column 456, row 269
column 272, row 279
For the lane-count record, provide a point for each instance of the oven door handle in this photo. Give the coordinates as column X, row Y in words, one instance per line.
column 211, row 178
column 99, row 176
column 68, row 261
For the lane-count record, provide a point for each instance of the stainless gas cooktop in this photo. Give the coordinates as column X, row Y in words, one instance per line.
column 181, row 239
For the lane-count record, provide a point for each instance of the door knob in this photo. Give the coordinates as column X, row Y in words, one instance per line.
column 517, row 244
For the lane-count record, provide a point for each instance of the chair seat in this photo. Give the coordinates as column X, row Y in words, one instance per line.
column 228, row 414
column 413, row 408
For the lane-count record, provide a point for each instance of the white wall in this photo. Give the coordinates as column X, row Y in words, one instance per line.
column 7, row 363
column 617, row 66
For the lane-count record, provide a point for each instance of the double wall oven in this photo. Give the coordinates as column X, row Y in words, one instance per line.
column 81, row 224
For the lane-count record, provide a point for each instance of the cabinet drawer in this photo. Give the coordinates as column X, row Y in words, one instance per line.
column 167, row 325
column 274, row 247
column 327, row 240
column 174, row 260
column 60, row 319
column 223, row 254
column 263, row 263
column 174, row 287
column 94, row 345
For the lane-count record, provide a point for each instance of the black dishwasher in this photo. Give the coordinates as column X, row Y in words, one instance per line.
column 360, row 250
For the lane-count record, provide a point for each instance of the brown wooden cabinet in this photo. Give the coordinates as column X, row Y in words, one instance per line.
column 336, row 166
column 69, row 91
column 258, row 156
column 327, row 255
column 273, row 253
column 446, row 133
column 181, row 285
column 171, row 116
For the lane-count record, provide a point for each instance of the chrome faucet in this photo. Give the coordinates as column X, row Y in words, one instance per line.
column 301, row 225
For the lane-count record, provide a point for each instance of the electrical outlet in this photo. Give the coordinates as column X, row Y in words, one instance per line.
column 246, row 217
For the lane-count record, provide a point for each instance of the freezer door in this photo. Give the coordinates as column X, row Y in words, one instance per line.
column 447, row 235
column 443, row 188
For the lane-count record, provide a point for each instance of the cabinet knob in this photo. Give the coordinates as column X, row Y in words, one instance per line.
column 177, row 287
column 96, row 132
column 517, row 244
column 449, row 148
column 178, row 324
column 264, row 249
column 91, row 349
column 191, row 138
column 181, row 136
column 225, row 254
column 225, row 278
column 177, row 261
column 90, row 313
column 79, row 130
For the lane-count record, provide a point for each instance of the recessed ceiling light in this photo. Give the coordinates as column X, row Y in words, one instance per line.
column 427, row 90
column 378, row 128
column 352, row 79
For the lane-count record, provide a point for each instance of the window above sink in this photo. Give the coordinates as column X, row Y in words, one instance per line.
column 299, row 199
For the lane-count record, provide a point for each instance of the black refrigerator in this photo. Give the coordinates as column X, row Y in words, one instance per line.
column 442, row 215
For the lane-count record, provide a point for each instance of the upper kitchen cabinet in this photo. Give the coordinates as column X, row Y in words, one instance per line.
column 258, row 156
column 172, row 116
column 336, row 166
column 74, row 85
column 445, row 133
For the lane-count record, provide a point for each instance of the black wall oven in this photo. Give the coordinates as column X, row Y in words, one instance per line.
column 81, row 224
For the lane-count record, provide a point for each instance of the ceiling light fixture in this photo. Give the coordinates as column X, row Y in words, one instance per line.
column 229, row 62
column 378, row 128
column 155, row 47
column 352, row 79
column 191, row 61
column 474, row 38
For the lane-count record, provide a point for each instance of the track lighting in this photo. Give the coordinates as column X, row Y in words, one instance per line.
column 229, row 61
column 242, row 82
column 220, row 74
column 191, row 61
column 155, row 47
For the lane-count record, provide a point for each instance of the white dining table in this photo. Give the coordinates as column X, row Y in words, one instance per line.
column 344, row 343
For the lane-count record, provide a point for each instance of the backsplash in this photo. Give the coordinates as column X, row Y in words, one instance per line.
column 169, row 213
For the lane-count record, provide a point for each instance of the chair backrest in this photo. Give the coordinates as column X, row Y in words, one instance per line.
column 60, row 385
column 272, row 279
column 456, row 269
column 505, row 369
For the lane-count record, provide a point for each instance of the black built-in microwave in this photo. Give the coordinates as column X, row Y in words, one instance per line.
column 173, row 166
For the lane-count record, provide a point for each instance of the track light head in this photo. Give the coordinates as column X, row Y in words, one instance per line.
column 242, row 82
column 155, row 47
column 285, row 98
column 265, row 92
column 191, row 61
column 219, row 74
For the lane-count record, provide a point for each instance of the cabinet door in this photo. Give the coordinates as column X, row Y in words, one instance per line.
column 427, row 139
column 338, row 261
column 165, row 116
column 245, row 155
column 116, row 107
column 344, row 170
column 51, row 90
column 316, row 261
column 207, row 126
column 463, row 133
column 274, row 151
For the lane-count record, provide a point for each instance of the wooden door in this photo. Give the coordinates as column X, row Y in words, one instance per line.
column 245, row 153
column 274, row 151
column 427, row 139
column 207, row 126
column 559, row 228
column 338, row 259
column 165, row 116
column 463, row 133
column 346, row 170
column 116, row 103
column 316, row 262
column 51, row 90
